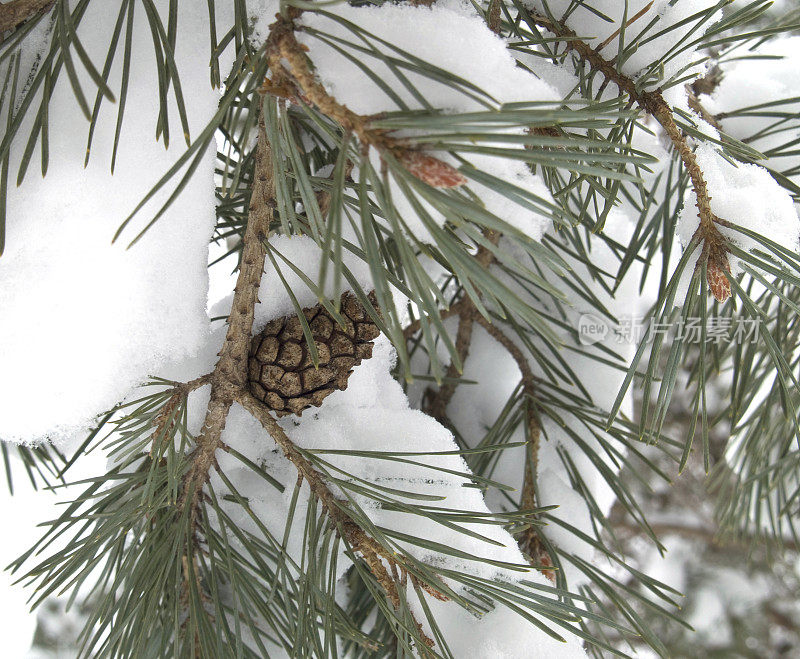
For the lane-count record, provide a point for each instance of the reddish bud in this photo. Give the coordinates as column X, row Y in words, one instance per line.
column 718, row 283
column 433, row 171
column 545, row 561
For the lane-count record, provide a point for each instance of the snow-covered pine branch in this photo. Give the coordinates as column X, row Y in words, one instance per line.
column 493, row 188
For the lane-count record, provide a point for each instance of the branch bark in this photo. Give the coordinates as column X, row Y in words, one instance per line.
column 229, row 384
column 435, row 402
column 15, row 13
column 230, row 373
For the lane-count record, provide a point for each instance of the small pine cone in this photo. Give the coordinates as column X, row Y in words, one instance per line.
column 718, row 283
column 281, row 372
column 434, row 172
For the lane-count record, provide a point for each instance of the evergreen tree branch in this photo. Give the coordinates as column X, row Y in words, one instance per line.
column 15, row 13
column 230, row 373
column 299, row 83
column 714, row 251
column 435, row 402
column 370, row 549
column 165, row 421
column 282, row 46
column 228, row 385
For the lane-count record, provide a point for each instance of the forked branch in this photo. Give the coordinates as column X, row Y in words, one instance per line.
column 229, row 384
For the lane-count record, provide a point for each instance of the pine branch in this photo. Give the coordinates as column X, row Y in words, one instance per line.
column 228, row 385
column 230, row 373
column 714, row 251
column 299, row 83
column 370, row 549
column 15, row 13
column 435, row 402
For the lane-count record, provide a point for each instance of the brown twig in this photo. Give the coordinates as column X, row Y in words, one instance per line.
column 295, row 77
column 707, row 534
column 165, row 418
column 435, row 402
column 714, row 251
column 15, row 13
column 370, row 549
column 494, row 16
column 230, row 372
column 704, row 86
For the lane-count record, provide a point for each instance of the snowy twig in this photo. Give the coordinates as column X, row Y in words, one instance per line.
column 229, row 384
column 370, row 549
column 437, row 401
column 298, row 81
column 179, row 393
column 282, row 46
column 16, row 12
column 714, row 252
column 230, row 373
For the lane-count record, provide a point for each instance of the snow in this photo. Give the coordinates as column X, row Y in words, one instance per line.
column 471, row 638
column 657, row 50
column 746, row 196
column 22, row 513
column 302, row 251
column 749, row 80
column 450, row 35
column 84, row 321
column 474, row 408
column 262, row 14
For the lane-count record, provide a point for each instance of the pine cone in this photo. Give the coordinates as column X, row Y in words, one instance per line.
column 281, row 373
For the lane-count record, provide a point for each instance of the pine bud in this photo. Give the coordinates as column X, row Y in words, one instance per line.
column 433, row 171
column 718, row 283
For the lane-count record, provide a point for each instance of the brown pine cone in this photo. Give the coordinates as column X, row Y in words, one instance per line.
column 281, row 373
